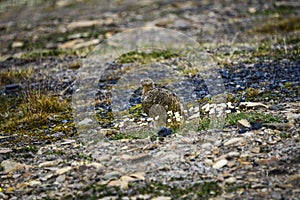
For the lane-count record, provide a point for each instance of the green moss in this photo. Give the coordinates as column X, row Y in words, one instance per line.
column 9, row 76
column 281, row 10
column 284, row 135
column 252, row 93
column 233, row 118
column 75, row 65
column 136, row 111
column 28, row 117
column 203, row 190
column 280, row 25
column 35, row 55
column 252, row 116
column 143, row 57
column 25, row 149
column 204, row 124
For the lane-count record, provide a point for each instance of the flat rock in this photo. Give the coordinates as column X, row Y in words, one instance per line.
column 234, row 141
column 11, row 166
column 244, row 123
column 219, row 164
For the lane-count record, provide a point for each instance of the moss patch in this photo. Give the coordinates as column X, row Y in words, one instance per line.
column 278, row 10
column 143, row 57
column 203, row 190
column 279, row 25
column 35, row 117
column 252, row 116
column 9, row 76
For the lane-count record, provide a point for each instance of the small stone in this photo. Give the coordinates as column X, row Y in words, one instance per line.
column 161, row 198
column 164, row 132
column 84, row 23
column 86, row 121
column 235, row 141
column 219, row 164
column 276, row 107
column 138, row 175
column 96, row 165
column 255, row 150
column 67, row 141
column 3, row 196
column 12, row 87
column 63, row 170
column 242, row 130
column 207, row 146
column 17, row 44
column 61, row 178
column 49, row 163
column 11, row 166
column 230, row 180
column 252, row 105
column 256, row 126
column 208, row 162
column 111, row 175
column 244, row 123
column 233, row 154
column 34, row 183
column 252, row 10
column 276, row 195
column 5, row 150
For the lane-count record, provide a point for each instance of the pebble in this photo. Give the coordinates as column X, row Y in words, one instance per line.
column 234, row 141
column 161, row 198
column 85, row 121
column 5, row 150
column 11, row 166
column 244, row 123
column 61, row 178
column 63, row 170
column 111, row 175
column 219, row 164
column 230, row 180
column 164, row 132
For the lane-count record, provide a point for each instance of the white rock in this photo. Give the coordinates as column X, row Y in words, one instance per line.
column 49, row 163
column 11, row 166
column 234, row 141
column 86, row 121
column 84, row 23
column 207, row 146
column 161, row 198
column 233, row 154
column 219, row 164
column 63, row 170
column 253, row 104
column 34, row 183
column 230, row 180
column 244, row 123
column 17, row 44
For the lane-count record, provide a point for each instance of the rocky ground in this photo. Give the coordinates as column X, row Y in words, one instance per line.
column 255, row 156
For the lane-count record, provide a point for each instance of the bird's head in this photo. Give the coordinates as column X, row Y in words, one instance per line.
column 147, row 84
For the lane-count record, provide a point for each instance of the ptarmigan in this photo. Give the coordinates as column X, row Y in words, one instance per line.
column 154, row 98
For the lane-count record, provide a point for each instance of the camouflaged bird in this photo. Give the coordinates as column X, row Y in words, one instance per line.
column 171, row 104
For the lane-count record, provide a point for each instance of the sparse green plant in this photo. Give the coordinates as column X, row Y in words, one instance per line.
column 251, row 93
column 253, row 116
column 144, row 57
column 13, row 75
